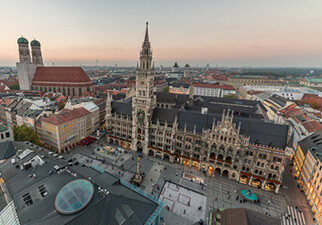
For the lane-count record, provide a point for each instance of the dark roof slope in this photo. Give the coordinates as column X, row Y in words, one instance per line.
column 165, row 97
column 312, row 141
column 122, row 108
column 163, row 115
column 260, row 132
column 243, row 216
column 7, row 150
column 122, row 205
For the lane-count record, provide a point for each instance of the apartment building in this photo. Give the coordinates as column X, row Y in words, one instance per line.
column 61, row 132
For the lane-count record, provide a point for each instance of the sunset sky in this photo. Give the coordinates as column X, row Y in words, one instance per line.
column 218, row 32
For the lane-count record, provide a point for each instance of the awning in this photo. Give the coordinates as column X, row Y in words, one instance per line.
column 246, row 174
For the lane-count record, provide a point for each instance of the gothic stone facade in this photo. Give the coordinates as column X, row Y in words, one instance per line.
column 249, row 151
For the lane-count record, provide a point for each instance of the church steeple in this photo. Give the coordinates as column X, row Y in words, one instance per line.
column 146, row 39
column 146, row 53
column 145, row 71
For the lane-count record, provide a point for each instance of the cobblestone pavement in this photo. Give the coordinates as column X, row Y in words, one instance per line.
column 184, row 202
column 222, row 193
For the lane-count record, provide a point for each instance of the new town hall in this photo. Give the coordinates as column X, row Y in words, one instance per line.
column 183, row 129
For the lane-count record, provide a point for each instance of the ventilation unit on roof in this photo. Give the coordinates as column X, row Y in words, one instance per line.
column 204, row 110
column 27, row 165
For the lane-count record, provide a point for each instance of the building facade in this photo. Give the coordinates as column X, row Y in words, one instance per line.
column 213, row 90
column 61, row 132
column 308, row 171
column 241, row 81
column 6, row 133
column 249, row 151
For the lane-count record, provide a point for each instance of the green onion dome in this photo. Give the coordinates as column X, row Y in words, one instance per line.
column 34, row 43
column 22, row 40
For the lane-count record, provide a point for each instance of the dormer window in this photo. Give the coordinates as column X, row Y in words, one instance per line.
column 27, row 199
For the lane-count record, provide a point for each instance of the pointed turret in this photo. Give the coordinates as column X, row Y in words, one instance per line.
column 146, row 38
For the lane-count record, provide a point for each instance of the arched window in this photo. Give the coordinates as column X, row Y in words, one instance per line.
column 213, row 147
column 80, row 92
column 221, row 147
column 230, row 150
column 68, row 89
column 73, row 91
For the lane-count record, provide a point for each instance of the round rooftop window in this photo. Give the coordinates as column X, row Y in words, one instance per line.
column 74, row 196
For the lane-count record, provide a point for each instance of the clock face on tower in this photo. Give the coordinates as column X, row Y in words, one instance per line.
column 140, row 116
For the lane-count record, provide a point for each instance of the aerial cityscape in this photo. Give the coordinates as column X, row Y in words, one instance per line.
column 124, row 114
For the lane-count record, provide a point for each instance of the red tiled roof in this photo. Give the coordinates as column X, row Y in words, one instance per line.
column 157, row 82
column 51, row 75
column 98, row 101
column 5, row 101
column 312, row 126
column 225, row 87
column 291, row 110
column 254, row 92
column 5, row 89
column 66, row 115
column 9, row 81
column 307, row 98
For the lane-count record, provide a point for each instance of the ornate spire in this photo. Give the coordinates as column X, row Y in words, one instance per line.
column 146, row 39
column 146, row 42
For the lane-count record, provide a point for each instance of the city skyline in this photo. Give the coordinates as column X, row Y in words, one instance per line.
column 248, row 33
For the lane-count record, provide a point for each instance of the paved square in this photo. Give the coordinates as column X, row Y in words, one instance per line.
column 222, row 193
column 184, row 202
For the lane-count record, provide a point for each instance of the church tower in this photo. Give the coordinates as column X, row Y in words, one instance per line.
column 25, row 68
column 36, row 53
column 24, row 53
column 144, row 101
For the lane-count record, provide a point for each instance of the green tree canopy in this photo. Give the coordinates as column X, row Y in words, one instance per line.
column 26, row 133
column 230, row 96
column 14, row 87
column 166, row 89
column 61, row 105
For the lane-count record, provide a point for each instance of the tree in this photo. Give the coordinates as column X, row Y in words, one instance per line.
column 61, row 105
column 14, row 87
column 166, row 89
column 230, row 96
column 26, row 133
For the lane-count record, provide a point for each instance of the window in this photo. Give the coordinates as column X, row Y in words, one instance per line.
column 27, row 199
column 42, row 190
column 7, row 134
